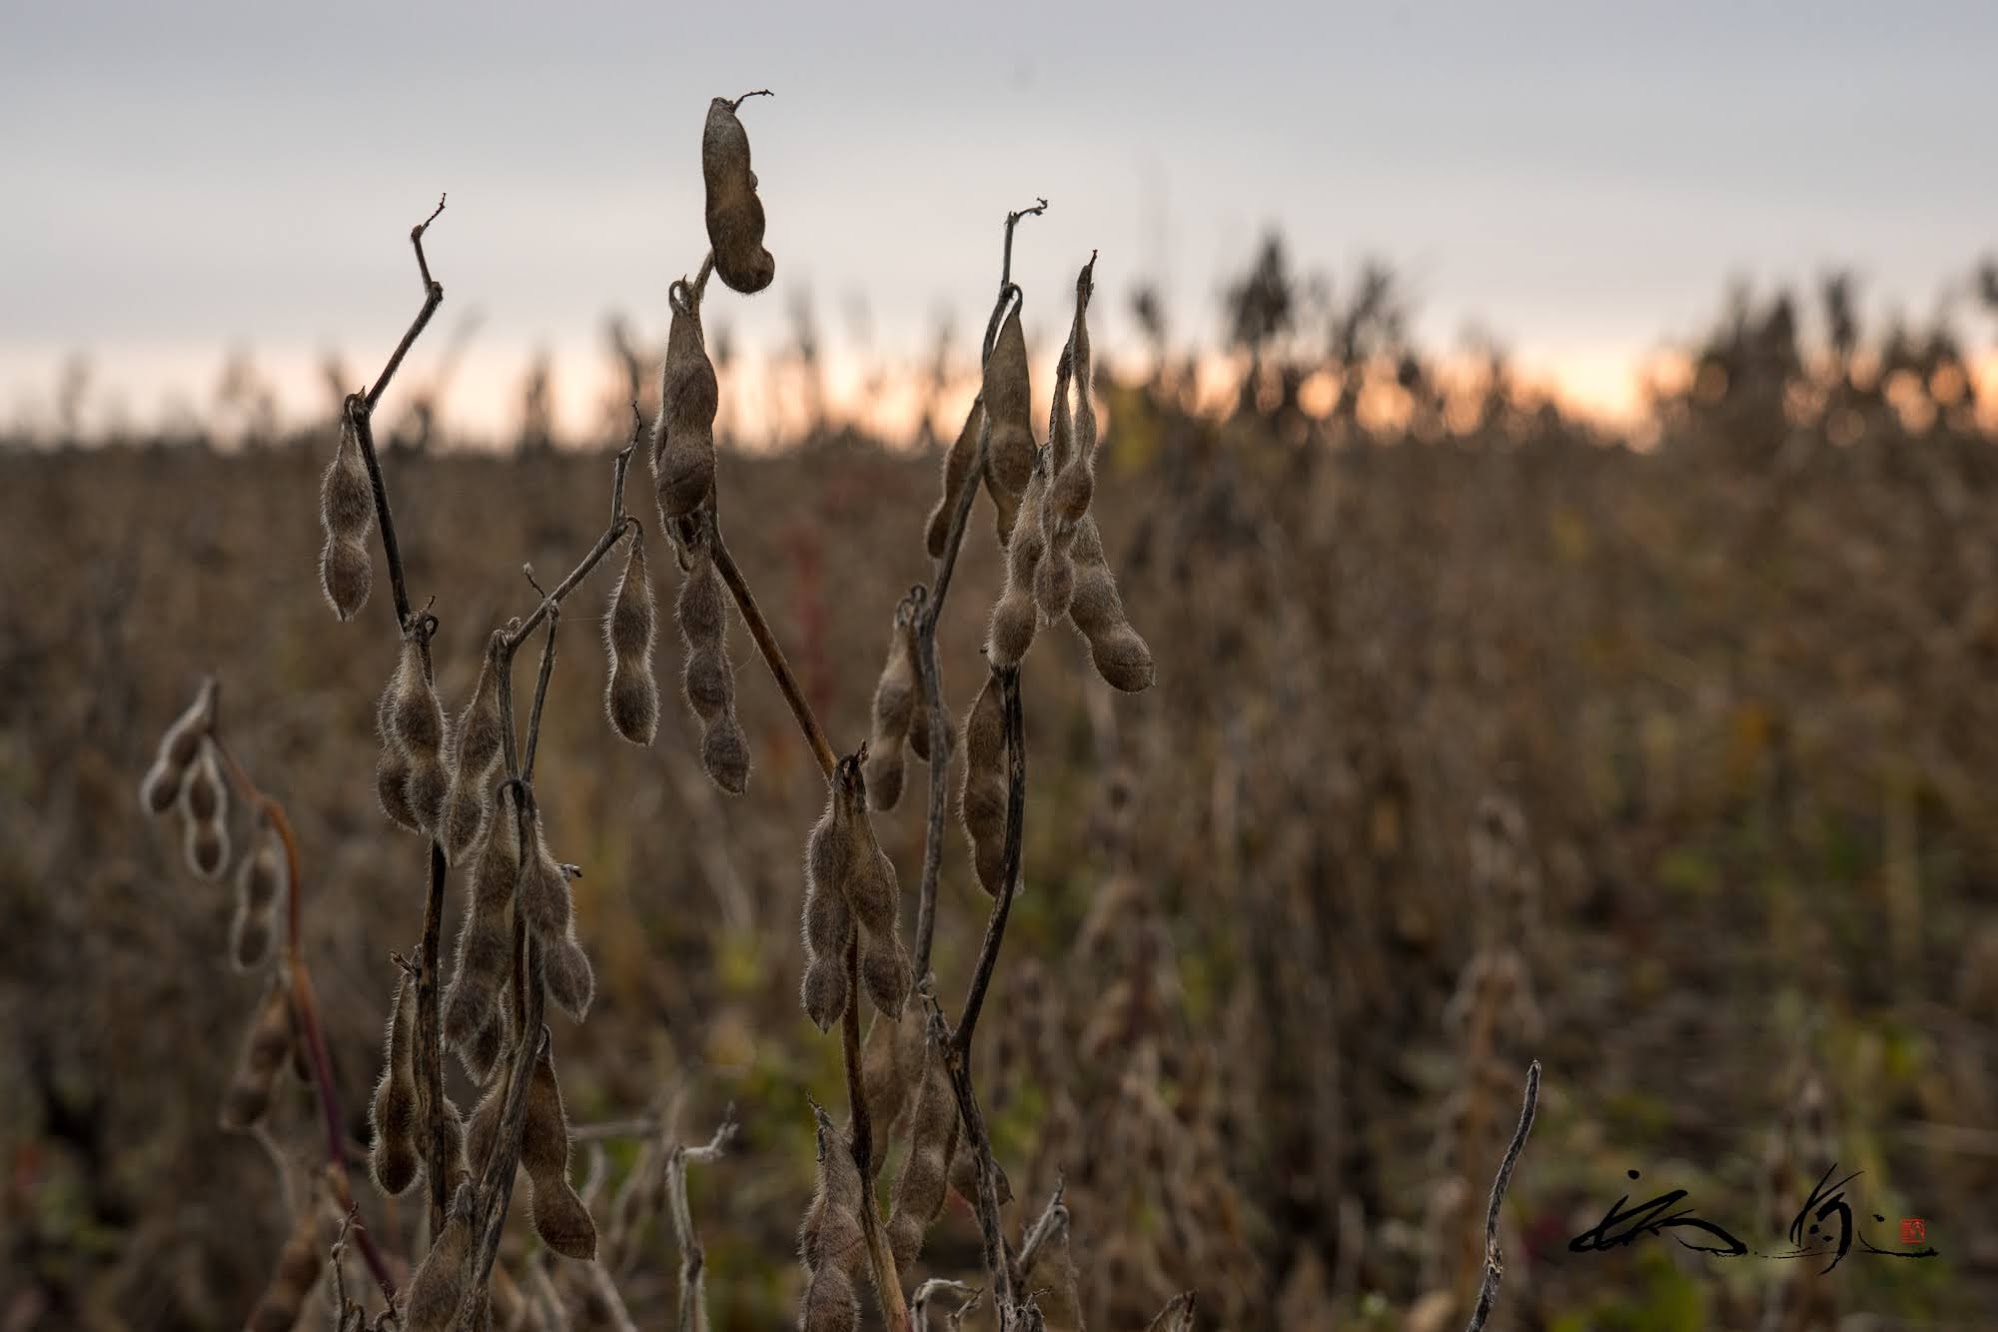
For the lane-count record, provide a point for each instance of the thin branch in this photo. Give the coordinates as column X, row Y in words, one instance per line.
column 998, row 1261
column 358, row 411
column 515, row 635
column 919, row 1303
column 1494, row 1266
column 736, row 105
column 1053, row 1215
column 643, row 1127
column 540, row 696
column 430, row 1042
column 773, row 655
column 693, row 1259
column 1013, row 220
column 433, row 296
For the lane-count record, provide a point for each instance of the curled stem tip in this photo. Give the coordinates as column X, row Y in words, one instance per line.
column 736, row 105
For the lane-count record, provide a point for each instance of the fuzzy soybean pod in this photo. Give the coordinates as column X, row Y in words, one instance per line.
column 1121, row 657
column 868, row 884
column 394, row 1160
column 709, row 680
column 248, row 1098
column 957, row 462
column 891, row 1066
column 895, row 707
column 204, row 810
column 298, row 1267
column 919, row 1193
column 828, row 925
column 631, row 697
column 830, row 1241
column 1072, row 465
column 438, row 1287
column 572, row 982
column 347, row 513
column 178, row 748
column 416, row 729
column 545, row 903
column 393, row 765
column 258, row 881
column 560, row 1217
column 683, row 434
column 981, row 803
column 734, row 213
column 1009, row 448
column 475, row 745
column 1015, row 618
column 473, row 1013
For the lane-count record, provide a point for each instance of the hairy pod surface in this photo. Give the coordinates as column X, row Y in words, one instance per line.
column 438, row 1287
column 545, row 903
column 347, row 513
column 895, row 707
column 179, row 746
column 394, row 1160
column 831, row 1236
column 891, row 1065
column 734, row 213
column 572, row 982
column 919, row 1192
column 207, row 846
column 1121, row 657
column 258, row 881
column 392, row 769
column 248, row 1098
column 1009, row 450
column 866, row 880
column 683, row 435
column 981, row 801
column 957, row 465
column 203, row 798
column 1015, row 619
column 485, row 944
column 560, row 1217
column 827, row 926
column 298, row 1267
column 415, row 717
column 346, row 575
column 631, row 696
column 709, row 679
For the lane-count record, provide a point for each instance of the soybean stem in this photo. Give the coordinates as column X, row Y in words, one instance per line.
column 433, row 296
column 1494, row 1266
column 773, row 655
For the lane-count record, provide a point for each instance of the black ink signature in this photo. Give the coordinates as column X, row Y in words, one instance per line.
column 1625, row 1224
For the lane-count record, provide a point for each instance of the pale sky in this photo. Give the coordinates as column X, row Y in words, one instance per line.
column 1580, row 179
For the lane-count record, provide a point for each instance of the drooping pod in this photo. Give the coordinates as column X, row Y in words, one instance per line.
column 1015, row 619
column 410, row 776
column 572, row 982
column 178, row 747
column 347, row 513
column 474, row 762
column 734, row 213
column 1071, row 464
column 298, row 1267
column 631, row 697
column 258, row 881
column 919, row 1192
column 248, row 1098
column 204, row 809
column 868, row 883
column 559, row 1215
column 438, row 1287
column 828, row 925
column 1121, row 657
column 709, row 679
column 683, row 434
column 957, row 464
column 474, row 1017
column 395, row 1159
column 981, row 803
column 891, row 1067
column 896, row 703
column 1009, row 446
column 831, row 1243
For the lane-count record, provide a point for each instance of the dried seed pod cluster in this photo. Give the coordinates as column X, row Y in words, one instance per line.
column 475, row 1021
column 248, row 1098
column 1071, row 464
column 347, row 512
column 395, row 1159
column 831, row 1242
column 981, row 801
column 683, row 434
column 178, row 749
column 734, row 213
column 919, row 1193
column 474, row 762
column 1008, row 421
column 710, row 678
column 851, row 899
column 549, row 910
column 259, row 879
column 631, row 697
column 410, row 776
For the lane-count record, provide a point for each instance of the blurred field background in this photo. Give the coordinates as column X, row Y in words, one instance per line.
column 1479, row 736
